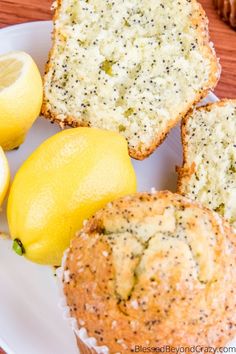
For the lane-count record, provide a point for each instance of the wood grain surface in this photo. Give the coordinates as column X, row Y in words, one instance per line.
column 224, row 38
column 18, row 11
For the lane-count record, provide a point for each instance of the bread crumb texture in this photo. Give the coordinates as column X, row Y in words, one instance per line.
column 153, row 269
column 130, row 66
column 209, row 170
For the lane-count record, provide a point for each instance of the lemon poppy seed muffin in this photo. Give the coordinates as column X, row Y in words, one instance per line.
column 208, row 173
column 152, row 270
column 135, row 67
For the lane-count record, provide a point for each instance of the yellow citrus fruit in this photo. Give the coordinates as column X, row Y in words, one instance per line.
column 21, row 93
column 69, row 177
column 4, row 176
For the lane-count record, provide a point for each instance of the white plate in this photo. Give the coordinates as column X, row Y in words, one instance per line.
column 30, row 320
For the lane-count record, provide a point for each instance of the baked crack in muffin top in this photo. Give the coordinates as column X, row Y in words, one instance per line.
column 153, row 269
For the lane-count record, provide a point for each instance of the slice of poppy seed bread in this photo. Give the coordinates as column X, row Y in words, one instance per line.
column 130, row 66
column 208, row 174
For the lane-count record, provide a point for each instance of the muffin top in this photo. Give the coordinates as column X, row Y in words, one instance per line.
column 153, row 270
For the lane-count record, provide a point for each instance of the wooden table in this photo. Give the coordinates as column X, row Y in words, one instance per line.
column 17, row 11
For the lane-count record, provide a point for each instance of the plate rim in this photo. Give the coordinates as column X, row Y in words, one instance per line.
column 25, row 25
column 5, row 346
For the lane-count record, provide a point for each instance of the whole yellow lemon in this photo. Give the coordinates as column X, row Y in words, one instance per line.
column 4, row 176
column 68, row 178
column 21, row 94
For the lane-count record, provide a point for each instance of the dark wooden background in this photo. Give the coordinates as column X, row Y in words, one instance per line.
column 224, row 38
column 18, row 11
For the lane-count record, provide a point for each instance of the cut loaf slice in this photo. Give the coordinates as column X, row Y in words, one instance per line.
column 208, row 174
column 130, row 66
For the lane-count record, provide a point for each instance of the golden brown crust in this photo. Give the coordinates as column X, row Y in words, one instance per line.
column 186, row 171
column 202, row 25
column 176, row 287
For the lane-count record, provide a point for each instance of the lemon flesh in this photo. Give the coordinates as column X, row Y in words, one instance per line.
column 4, row 176
column 68, row 178
column 21, row 94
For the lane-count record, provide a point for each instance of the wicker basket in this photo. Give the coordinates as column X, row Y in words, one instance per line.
column 227, row 10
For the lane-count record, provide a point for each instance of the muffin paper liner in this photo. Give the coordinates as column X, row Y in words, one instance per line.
column 86, row 344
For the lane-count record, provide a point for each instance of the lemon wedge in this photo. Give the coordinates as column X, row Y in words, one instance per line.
column 4, row 176
column 21, row 93
column 10, row 70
